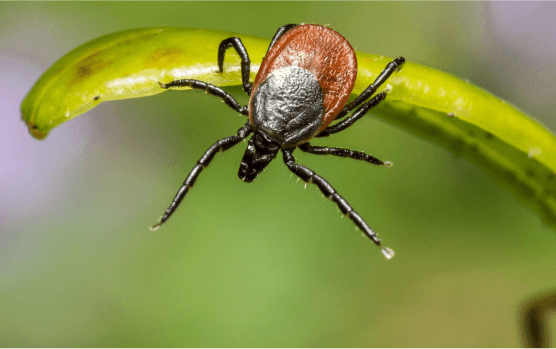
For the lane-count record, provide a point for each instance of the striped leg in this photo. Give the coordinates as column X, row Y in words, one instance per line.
column 281, row 31
column 204, row 161
column 358, row 114
column 236, row 43
column 345, row 153
column 211, row 90
column 391, row 67
column 311, row 177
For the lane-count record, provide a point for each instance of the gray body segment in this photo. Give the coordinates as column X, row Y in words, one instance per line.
column 288, row 106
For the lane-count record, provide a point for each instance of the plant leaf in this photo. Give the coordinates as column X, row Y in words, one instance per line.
column 461, row 117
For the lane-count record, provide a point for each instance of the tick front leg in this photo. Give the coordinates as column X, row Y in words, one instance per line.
column 391, row 67
column 204, row 161
column 211, row 90
column 281, row 31
column 310, row 176
column 345, row 153
column 237, row 44
column 358, row 114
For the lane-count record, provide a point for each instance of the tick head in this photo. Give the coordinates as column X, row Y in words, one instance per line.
column 259, row 153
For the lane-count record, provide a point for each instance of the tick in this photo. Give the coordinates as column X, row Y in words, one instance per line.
column 303, row 84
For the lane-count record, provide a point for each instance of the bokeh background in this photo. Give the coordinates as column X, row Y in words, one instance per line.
column 269, row 263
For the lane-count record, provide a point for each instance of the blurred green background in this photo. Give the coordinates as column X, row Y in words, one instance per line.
column 265, row 264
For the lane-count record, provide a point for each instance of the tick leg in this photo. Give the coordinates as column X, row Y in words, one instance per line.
column 211, row 90
column 236, row 43
column 535, row 320
column 345, row 153
column 358, row 114
column 311, row 177
column 391, row 67
column 281, row 31
column 204, row 161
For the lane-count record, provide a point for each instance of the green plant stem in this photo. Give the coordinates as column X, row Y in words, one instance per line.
column 500, row 139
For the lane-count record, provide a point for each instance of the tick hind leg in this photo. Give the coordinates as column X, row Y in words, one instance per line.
column 211, row 90
column 204, row 161
column 310, row 176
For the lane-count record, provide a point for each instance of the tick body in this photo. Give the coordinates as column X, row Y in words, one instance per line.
column 302, row 86
column 303, row 83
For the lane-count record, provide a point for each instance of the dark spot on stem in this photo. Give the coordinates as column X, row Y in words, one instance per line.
column 510, row 176
column 96, row 98
column 458, row 146
column 525, row 189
